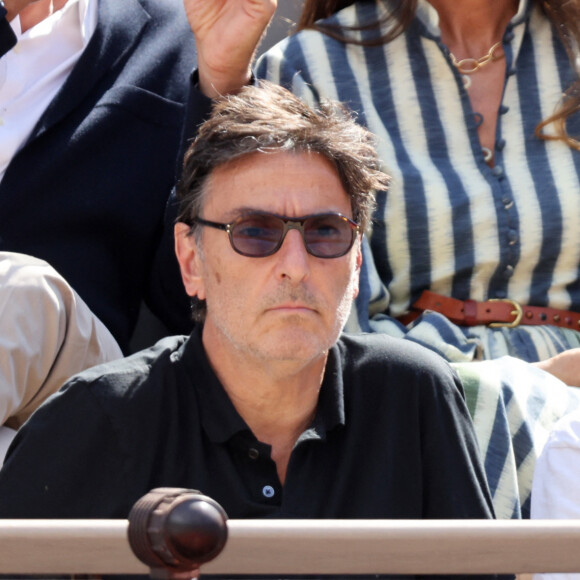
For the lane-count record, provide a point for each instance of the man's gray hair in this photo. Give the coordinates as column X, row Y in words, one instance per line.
column 266, row 118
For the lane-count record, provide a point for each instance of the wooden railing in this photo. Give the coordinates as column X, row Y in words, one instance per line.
column 307, row 547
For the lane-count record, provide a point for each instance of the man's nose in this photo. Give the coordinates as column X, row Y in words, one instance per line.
column 293, row 259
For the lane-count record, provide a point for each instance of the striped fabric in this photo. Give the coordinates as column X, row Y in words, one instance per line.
column 449, row 222
column 514, row 406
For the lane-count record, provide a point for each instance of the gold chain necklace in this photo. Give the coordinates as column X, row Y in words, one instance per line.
column 467, row 66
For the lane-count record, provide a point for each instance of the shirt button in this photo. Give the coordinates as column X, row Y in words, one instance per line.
column 507, row 202
column 268, row 491
column 508, row 272
column 503, row 109
column 500, row 144
column 253, row 453
column 513, row 237
column 497, row 171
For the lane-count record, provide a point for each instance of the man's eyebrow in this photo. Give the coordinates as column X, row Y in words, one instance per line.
column 242, row 211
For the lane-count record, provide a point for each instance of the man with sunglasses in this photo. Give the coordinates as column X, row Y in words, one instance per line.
column 266, row 406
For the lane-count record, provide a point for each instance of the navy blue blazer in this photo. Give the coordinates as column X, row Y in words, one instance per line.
column 88, row 191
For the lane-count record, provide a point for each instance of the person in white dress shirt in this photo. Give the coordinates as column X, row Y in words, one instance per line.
column 556, row 484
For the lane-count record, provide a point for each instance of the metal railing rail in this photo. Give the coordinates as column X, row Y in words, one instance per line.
column 308, row 547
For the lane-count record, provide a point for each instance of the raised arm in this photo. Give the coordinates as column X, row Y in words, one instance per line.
column 227, row 34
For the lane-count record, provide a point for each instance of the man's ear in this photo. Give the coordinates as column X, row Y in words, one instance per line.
column 359, row 256
column 190, row 262
column 357, row 267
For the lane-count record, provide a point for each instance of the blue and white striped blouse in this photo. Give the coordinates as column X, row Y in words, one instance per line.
column 449, row 222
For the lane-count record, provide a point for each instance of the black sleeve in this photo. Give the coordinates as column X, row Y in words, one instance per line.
column 454, row 478
column 167, row 298
column 198, row 110
column 166, row 295
column 7, row 36
column 49, row 472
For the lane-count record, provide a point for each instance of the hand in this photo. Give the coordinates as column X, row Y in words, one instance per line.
column 564, row 366
column 227, row 34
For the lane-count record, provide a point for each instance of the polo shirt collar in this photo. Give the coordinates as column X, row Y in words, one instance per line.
column 330, row 411
column 219, row 417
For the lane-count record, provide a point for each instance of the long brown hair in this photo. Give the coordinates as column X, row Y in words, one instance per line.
column 398, row 19
column 564, row 15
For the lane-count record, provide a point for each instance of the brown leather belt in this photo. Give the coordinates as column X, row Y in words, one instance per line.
column 495, row 312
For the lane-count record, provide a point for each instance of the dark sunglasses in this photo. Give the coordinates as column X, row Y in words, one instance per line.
column 257, row 235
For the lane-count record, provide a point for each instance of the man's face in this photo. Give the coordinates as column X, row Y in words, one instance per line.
column 289, row 306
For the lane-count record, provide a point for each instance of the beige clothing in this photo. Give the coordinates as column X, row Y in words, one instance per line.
column 47, row 334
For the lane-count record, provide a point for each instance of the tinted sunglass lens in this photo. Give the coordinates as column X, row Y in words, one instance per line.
column 257, row 235
column 260, row 235
column 328, row 236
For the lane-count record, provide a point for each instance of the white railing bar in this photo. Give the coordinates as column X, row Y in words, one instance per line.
column 308, row 547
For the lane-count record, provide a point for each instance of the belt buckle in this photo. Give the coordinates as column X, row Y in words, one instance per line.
column 517, row 312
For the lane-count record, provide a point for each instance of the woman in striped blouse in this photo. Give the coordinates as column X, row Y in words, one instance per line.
column 483, row 208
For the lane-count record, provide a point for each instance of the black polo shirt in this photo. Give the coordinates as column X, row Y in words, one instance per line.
column 392, row 438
